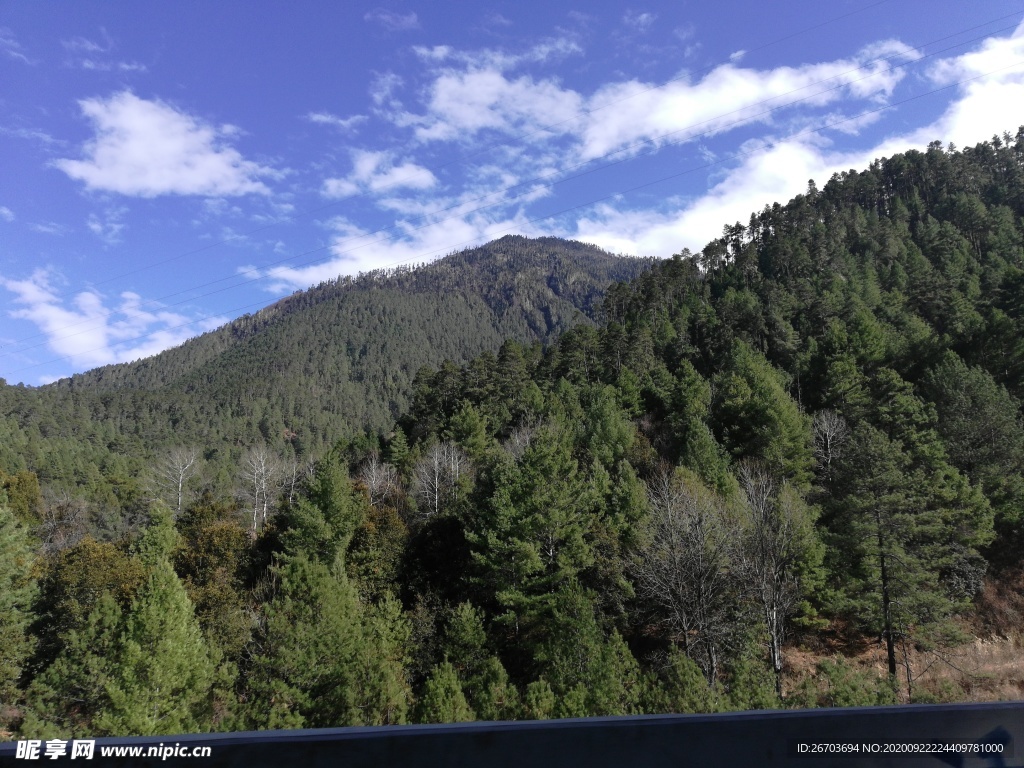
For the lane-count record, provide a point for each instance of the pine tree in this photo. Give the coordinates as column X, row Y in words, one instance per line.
column 161, row 677
column 17, row 592
column 530, row 538
column 757, row 418
column 66, row 698
column 322, row 662
column 442, row 700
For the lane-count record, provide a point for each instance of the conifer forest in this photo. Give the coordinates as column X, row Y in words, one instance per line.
column 536, row 480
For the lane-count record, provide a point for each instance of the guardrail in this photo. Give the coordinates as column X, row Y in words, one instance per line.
column 961, row 735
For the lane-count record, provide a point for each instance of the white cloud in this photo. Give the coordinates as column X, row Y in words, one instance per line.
column 395, row 22
column 6, row 214
column 376, row 172
column 469, row 93
column 776, row 171
column 92, row 55
column 639, row 21
column 97, row 65
column 90, row 331
column 730, row 96
column 109, row 226
column 148, row 148
column 85, row 45
column 48, row 228
column 341, row 123
column 11, row 48
column 462, row 103
column 493, row 58
column 32, row 134
column 356, row 250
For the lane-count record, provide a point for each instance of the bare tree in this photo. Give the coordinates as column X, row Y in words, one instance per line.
column 380, row 479
column 437, row 475
column 519, row 440
column 171, row 472
column 65, row 520
column 775, row 531
column 830, row 435
column 295, row 475
column 684, row 566
column 260, row 474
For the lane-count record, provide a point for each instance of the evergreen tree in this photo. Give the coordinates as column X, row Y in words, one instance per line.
column 443, row 700
column 530, row 537
column 905, row 535
column 757, row 418
column 17, row 592
column 68, row 696
column 321, row 661
column 159, row 680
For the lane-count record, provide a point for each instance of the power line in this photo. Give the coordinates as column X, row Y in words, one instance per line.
column 705, row 166
column 654, row 144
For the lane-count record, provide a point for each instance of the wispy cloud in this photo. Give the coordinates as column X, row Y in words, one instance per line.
column 48, row 228
column 6, row 214
column 641, row 22
column 478, row 91
column 341, row 123
column 390, row 20
column 32, row 134
column 85, row 45
column 11, row 48
column 147, row 148
column 559, row 130
column 109, row 225
column 90, row 55
column 96, row 65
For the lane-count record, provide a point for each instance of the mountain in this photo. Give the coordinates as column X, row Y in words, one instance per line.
column 785, row 471
column 324, row 363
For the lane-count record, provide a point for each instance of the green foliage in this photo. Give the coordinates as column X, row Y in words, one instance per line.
column 837, row 683
column 70, row 588
column 23, row 495
column 17, row 592
column 144, row 671
column 529, row 540
column 160, row 678
column 861, row 344
column 751, row 679
column 66, row 698
column 540, row 701
column 757, row 419
column 684, row 687
column 161, row 540
column 322, row 661
column 589, row 671
column 212, row 562
column 442, row 700
column 322, row 524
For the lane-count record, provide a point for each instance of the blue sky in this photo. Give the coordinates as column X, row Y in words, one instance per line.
column 170, row 166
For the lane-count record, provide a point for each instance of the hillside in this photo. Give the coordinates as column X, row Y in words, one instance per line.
column 320, row 364
column 786, row 471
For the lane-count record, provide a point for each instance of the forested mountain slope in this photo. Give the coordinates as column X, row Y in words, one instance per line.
column 315, row 366
column 823, row 409
column 804, row 441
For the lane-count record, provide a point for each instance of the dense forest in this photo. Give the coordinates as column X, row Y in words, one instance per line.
column 786, row 471
column 295, row 377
